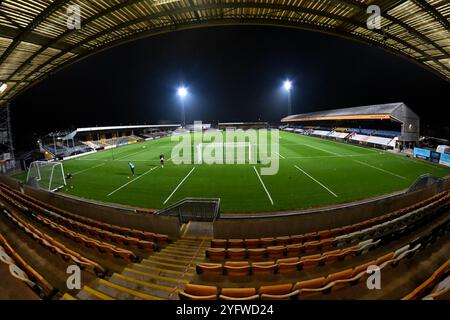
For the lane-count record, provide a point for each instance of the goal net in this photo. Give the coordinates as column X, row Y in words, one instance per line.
column 49, row 175
column 227, row 153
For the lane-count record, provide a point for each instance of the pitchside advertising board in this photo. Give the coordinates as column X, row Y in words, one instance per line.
column 422, row 153
column 445, row 159
column 441, row 158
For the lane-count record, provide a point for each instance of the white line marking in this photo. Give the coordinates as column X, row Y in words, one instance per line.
column 318, row 182
column 264, row 186
column 179, row 185
column 81, row 171
column 280, row 155
column 320, row 149
column 129, row 155
column 137, row 178
column 382, row 170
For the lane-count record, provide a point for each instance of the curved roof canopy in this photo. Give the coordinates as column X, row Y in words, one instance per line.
column 397, row 112
column 35, row 40
column 389, row 111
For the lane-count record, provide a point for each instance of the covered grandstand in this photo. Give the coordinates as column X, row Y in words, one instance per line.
column 381, row 125
column 70, row 143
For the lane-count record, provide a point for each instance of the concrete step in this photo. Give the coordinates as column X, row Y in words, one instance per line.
column 166, row 265
column 156, row 279
column 177, row 259
column 161, row 272
column 169, row 254
column 120, row 292
column 164, row 292
column 88, row 293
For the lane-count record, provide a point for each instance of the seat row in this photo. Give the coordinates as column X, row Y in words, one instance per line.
column 300, row 289
column 408, row 220
column 435, row 287
column 160, row 239
column 55, row 246
column 286, row 265
column 148, row 245
column 324, row 234
column 100, row 246
column 22, row 271
column 350, row 276
column 275, row 252
column 387, row 234
column 296, row 249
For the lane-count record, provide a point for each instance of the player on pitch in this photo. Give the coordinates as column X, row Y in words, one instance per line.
column 161, row 160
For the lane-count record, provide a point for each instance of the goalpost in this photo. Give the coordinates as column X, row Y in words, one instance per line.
column 49, row 175
column 242, row 152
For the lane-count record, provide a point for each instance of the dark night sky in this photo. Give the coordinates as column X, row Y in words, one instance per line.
column 233, row 74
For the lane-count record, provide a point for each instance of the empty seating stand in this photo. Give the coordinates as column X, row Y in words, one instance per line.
column 323, row 238
column 301, row 289
column 159, row 239
column 23, row 271
column 434, row 288
column 283, row 265
column 55, row 246
column 100, row 246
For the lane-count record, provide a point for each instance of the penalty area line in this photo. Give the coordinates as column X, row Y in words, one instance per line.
column 317, row 181
column 81, row 171
column 264, row 186
column 129, row 182
column 179, row 185
column 280, row 155
column 380, row 169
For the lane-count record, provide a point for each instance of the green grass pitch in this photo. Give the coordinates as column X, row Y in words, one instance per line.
column 313, row 172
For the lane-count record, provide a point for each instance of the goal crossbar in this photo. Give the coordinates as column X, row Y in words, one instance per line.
column 224, row 145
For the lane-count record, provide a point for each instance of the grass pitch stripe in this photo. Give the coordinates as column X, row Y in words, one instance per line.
column 264, row 186
column 380, row 169
column 129, row 182
column 81, row 171
column 320, row 149
column 132, row 154
column 318, row 182
column 179, row 185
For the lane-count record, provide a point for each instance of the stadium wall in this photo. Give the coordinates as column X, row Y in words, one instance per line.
column 126, row 217
column 321, row 219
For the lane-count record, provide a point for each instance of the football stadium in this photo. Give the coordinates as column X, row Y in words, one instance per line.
column 203, row 202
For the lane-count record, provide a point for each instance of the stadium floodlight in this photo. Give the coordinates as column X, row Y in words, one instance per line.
column 3, row 87
column 182, row 93
column 287, row 85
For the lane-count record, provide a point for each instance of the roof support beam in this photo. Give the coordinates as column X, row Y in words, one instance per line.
column 31, row 26
column 432, row 11
column 233, row 5
column 54, row 43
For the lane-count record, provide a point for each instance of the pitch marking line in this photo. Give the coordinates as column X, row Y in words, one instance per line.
column 129, row 182
column 320, row 149
column 81, row 171
column 280, row 155
column 179, row 185
column 264, row 186
column 382, row 170
column 132, row 154
column 318, row 182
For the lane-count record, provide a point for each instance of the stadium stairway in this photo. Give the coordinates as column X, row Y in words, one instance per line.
column 158, row 277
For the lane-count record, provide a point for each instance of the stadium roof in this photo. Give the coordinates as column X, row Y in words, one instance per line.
column 388, row 111
column 35, row 40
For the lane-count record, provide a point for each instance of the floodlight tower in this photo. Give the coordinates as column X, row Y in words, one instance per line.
column 182, row 93
column 288, row 87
